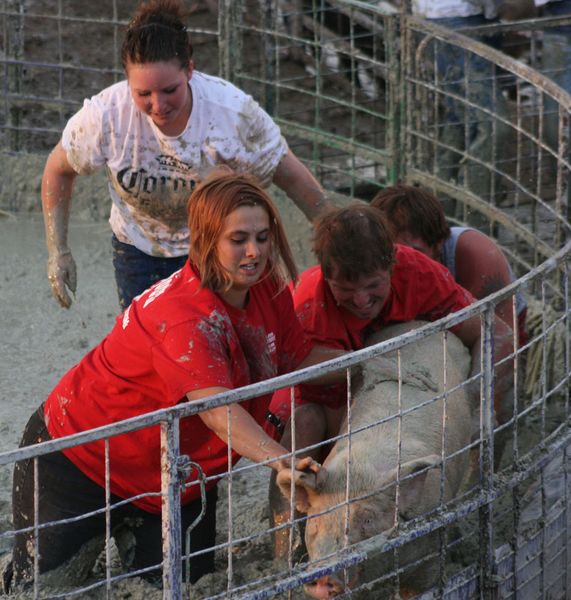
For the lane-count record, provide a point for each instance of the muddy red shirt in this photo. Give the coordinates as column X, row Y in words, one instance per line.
column 174, row 338
column 420, row 289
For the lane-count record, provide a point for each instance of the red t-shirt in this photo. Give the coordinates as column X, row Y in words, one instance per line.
column 421, row 288
column 174, row 338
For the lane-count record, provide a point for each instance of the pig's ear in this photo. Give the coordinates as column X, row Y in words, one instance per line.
column 414, row 488
column 306, row 487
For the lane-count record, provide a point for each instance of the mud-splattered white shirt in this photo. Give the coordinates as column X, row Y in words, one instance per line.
column 151, row 174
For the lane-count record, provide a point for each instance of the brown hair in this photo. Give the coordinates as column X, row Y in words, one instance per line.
column 209, row 204
column 412, row 209
column 157, row 33
column 353, row 241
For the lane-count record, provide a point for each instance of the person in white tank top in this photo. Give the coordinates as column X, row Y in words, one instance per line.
column 476, row 262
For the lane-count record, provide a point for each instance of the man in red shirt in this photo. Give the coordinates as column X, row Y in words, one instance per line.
column 363, row 282
column 417, row 219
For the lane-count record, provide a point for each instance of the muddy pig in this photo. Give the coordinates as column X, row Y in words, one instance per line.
column 374, row 458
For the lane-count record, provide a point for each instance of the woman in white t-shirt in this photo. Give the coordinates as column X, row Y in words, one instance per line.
column 157, row 134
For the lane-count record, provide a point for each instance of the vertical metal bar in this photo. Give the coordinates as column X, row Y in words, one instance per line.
column 15, row 51
column 544, row 359
column 443, row 538
column 465, row 165
column 230, row 564
column 354, row 83
column 61, row 94
column 170, row 505
column 435, row 114
column 317, row 17
column 399, row 463
column 494, row 158
column 543, row 549
column 444, row 414
column 519, row 142
column 562, row 178
column 487, row 453
column 566, row 526
column 399, row 438
column 395, row 100
column 292, row 486
column 517, row 491
column 116, row 46
column 348, row 466
column 6, row 77
column 107, row 522
column 277, row 49
column 224, row 37
column 36, row 543
column 268, row 11
column 567, row 326
column 408, row 91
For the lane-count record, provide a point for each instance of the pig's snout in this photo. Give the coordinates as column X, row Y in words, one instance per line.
column 324, row 587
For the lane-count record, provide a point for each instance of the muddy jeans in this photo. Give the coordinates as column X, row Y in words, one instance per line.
column 471, row 90
column 65, row 492
column 135, row 271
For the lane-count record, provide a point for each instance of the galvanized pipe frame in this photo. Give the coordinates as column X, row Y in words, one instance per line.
column 493, row 56
column 414, row 172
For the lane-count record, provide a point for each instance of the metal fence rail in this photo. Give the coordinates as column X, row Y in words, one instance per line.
column 363, row 97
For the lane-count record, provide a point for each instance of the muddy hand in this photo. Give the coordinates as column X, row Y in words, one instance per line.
column 307, row 464
column 62, row 275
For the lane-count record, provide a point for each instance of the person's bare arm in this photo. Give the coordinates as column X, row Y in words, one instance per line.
column 248, row 438
column 470, row 333
column 320, row 354
column 293, row 177
column 57, row 186
column 482, row 269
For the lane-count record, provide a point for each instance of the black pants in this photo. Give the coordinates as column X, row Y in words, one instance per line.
column 65, row 492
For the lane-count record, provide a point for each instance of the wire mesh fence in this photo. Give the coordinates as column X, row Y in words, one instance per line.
column 367, row 96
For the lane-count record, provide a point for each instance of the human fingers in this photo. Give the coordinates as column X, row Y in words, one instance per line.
column 71, row 272
column 307, row 464
column 61, row 275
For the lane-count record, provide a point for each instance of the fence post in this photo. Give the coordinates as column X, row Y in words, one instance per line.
column 171, row 514
column 268, row 16
column 14, row 54
column 230, row 38
column 487, row 453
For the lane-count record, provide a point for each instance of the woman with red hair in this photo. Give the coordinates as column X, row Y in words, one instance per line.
column 224, row 320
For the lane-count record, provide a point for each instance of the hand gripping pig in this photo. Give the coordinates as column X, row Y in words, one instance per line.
column 426, row 371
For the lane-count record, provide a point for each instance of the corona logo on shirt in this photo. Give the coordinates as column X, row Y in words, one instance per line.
column 271, row 341
column 140, row 182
